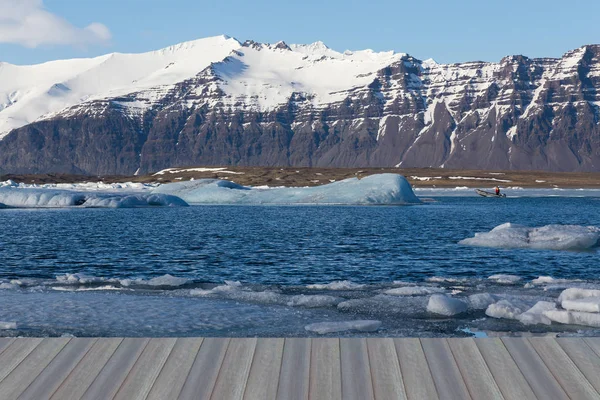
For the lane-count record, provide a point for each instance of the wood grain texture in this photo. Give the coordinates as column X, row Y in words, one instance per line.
column 205, row 370
column 584, row 357
column 534, row 370
column 21, row 377
column 356, row 371
column 416, row 375
column 475, row 372
column 176, row 369
column 325, row 370
column 264, row 373
column 15, row 353
column 446, row 375
column 385, row 369
column 231, row 382
column 142, row 375
column 295, row 370
column 115, row 371
column 563, row 369
column 58, row 370
column 86, row 371
column 505, row 371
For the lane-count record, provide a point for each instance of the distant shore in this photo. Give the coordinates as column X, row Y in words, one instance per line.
column 299, row 177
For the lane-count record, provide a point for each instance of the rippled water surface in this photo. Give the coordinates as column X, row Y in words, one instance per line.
column 275, row 253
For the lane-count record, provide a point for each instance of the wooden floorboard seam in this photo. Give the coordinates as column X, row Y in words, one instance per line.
column 400, row 367
column 461, row 372
column 212, row 390
column 162, row 369
column 73, row 370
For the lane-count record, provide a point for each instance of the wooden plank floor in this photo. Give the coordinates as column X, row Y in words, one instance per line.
column 318, row 368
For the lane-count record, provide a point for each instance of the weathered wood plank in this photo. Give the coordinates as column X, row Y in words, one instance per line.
column 505, row 371
column 35, row 362
column 15, row 353
column 325, row 370
column 233, row 376
column 264, row 373
column 82, row 376
column 171, row 379
column 115, row 371
column 356, row 371
column 385, row 369
column 295, row 370
column 5, row 342
column 532, row 367
column 50, row 379
column 563, row 368
column 203, row 375
column 594, row 344
column 142, row 375
column 478, row 378
column 416, row 375
column 584, row 357
column 446, row 375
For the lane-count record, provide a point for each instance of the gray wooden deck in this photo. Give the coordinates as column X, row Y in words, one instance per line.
column 321, row 368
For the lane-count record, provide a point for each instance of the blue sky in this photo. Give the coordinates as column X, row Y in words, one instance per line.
column 448, row 31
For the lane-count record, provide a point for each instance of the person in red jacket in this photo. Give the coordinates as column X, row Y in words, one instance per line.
column 497, row 191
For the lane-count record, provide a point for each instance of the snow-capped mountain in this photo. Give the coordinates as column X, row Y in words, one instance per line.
column 218, row 101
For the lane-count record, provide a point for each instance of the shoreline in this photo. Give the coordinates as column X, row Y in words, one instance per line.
column 301, row 177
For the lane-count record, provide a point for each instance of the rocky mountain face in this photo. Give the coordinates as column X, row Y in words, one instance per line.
column 307, row 105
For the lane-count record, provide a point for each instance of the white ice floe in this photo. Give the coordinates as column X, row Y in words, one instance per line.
column 504, row 278
column 373, row 189
column 574, row 318
column 414, row 291
column 445, row 305
column 53, row 198
column 588, row 304
column 331, row 327
column 236, row 291
column 8, row 325
column 504, row 309
column 551, row 237
column 481, row 301
column 443, row 279
column 337, row 285
column 535, row 315
column 577, row 293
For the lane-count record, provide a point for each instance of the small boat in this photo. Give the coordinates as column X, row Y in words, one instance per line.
column 488, row 194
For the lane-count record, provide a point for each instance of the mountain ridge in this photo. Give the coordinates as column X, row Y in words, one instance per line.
column 218, row 101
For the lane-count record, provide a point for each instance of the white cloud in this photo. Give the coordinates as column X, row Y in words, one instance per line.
column 28, row 23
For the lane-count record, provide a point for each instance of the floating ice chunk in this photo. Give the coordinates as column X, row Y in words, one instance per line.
column 443, row 279
column 503, row 309
column 8, row 325
column 374, row 189
column 481, row 301
column 551, row 237
column 444, row 305
column 414, row 291
column 506, row 279
column 588, row 304
column 81, row 279
column 5, row 285
column 167, row 280
column 577, row 293
column 313, row 301
column 574, row 318
column 44, row 197
column 331, row 327
column 535, row 315
column 337, row 285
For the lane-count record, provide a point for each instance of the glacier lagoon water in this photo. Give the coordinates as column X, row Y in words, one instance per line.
column 279, row 263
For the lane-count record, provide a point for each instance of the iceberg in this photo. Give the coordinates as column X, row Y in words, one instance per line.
column 481, row 301
column 331, row 327
column 52, row 198
column 588, row 304
column 535, row 315
column 373, row 189
column 445, row 305
column 577, row 293
column 550, row 237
